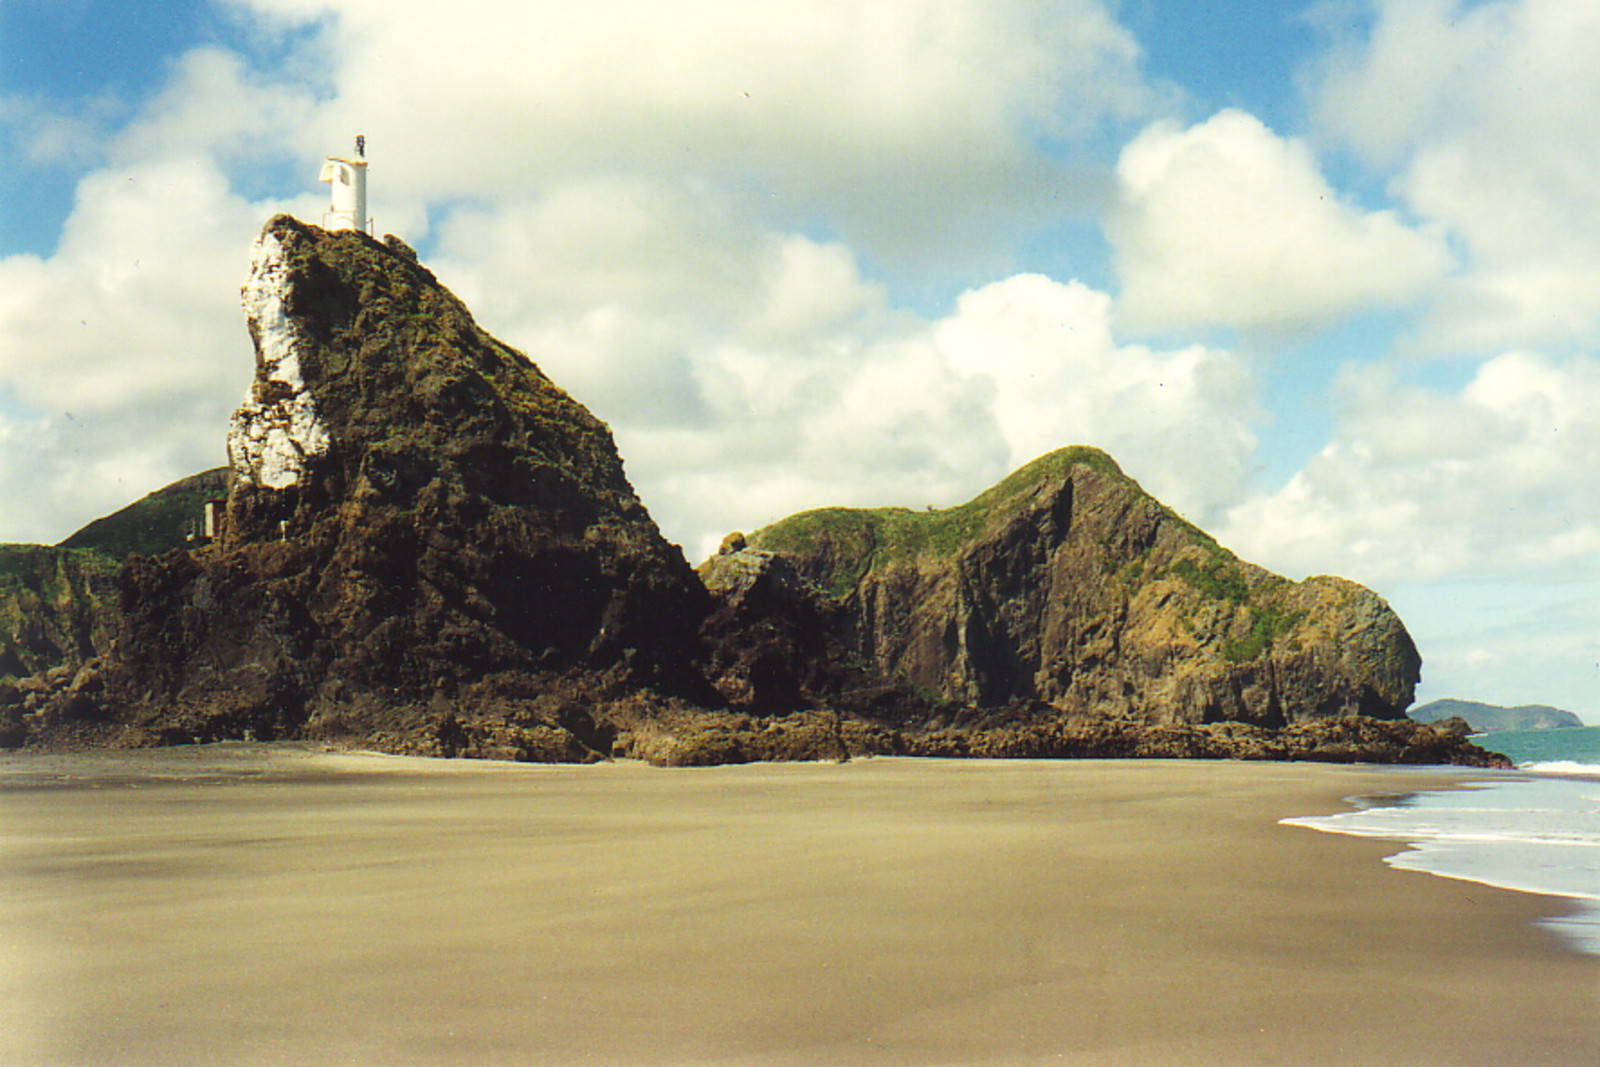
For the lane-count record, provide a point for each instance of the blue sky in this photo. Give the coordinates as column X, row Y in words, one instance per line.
column 1319, row 275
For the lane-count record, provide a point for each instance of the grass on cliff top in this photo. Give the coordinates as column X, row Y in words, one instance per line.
column 861, row 538
column 851, row 542
column 902, row 532
column 155, row 523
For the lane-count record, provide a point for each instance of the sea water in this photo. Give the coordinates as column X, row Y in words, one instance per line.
column 1536, row 830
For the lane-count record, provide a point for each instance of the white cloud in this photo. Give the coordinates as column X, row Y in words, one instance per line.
column 1481, row 112
column 123, row 351
column 1418, row 484
column 882, row 114
column 1224, row 223
column 750, row 373
column 1179, row 421
column 137, row 301
column 214, row 105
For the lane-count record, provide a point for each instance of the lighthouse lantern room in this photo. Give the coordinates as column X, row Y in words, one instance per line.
column 347, row 181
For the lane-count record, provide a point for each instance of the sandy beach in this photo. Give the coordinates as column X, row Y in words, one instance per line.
column 251, row 906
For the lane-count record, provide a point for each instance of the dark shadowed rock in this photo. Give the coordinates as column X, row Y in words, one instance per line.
column 777, row 645
column 427, row 544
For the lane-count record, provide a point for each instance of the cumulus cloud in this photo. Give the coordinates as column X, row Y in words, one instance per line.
column 931, row 412
column 1478, row 112
column 123, row 351
column 1178, row 420
column 883, row 114
column 216, row 106
column 1225, row 223
column 1422, row 484
column 625, row 189
column 749, row 373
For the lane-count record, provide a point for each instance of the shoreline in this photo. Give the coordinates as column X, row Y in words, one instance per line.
column 338, row 907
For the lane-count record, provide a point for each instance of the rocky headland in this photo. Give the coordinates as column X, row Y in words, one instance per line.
column 1489, row 718
column 422, row 544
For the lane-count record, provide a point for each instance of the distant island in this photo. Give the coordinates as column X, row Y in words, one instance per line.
column 1489, row 718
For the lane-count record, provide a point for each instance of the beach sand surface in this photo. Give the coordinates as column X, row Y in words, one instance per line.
column 255, row 905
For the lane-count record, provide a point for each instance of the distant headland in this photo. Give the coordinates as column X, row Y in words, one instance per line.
column 1489, row 718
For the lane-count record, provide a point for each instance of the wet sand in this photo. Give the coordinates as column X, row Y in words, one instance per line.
column 239, row 905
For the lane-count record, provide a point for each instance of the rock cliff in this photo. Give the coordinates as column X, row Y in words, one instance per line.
column 1068, row 586
column 427, row 545
column 57, row 607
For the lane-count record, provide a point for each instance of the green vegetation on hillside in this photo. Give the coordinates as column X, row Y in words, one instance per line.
column 1489, row 718
column 155, row 523
column 1268, row 622
column 863, row 538
column 1218, row 577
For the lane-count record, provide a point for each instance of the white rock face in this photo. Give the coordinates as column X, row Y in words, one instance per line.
column 276, row 429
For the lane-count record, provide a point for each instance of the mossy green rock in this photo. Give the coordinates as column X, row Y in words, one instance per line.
column 58, row 607
column 158, row 522
column 1068, row 584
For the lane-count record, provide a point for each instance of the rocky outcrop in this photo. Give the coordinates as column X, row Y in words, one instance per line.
column 1043, row 732
column 58, row 607
column 776, row 645
column 427, row 545
column 1067, row 586
column 1488, row 718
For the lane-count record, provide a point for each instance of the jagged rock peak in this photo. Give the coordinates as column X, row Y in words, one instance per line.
column 370, row 375
column 427, row 544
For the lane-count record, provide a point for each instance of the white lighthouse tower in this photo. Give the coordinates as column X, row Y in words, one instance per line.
column 347, row 181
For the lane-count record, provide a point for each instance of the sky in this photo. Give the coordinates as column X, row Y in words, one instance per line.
column 1324, row 277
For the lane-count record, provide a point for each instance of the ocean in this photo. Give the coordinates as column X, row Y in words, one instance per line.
column 1535, row 830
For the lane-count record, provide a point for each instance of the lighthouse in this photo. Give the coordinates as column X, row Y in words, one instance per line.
column 347, row 182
